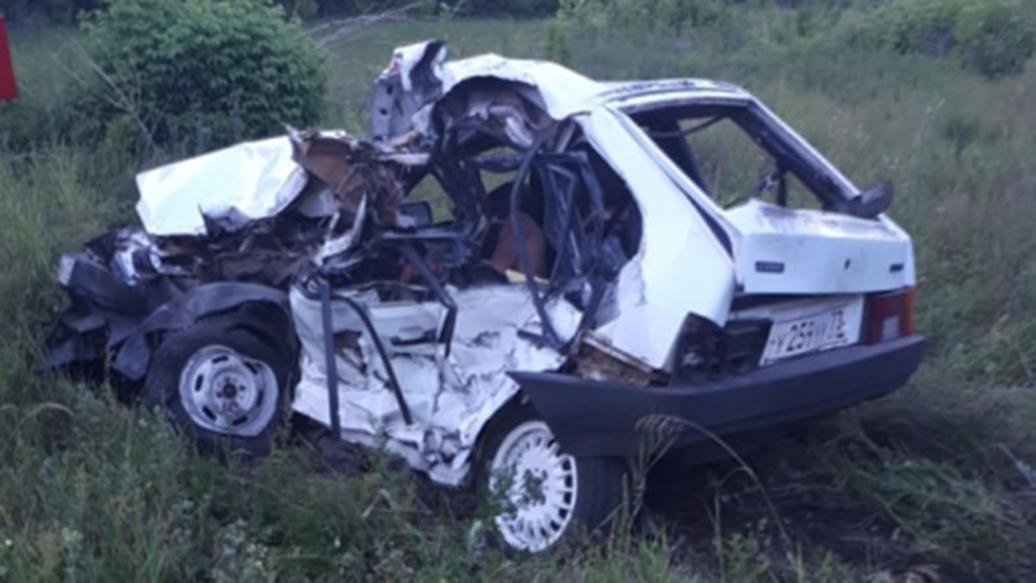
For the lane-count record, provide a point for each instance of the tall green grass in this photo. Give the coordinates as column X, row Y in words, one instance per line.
column 98, row 492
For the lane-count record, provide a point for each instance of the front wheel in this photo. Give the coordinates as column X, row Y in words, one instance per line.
column 221, row 385
column 542, row 493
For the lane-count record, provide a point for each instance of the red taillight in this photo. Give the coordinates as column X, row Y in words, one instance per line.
column 889, row 316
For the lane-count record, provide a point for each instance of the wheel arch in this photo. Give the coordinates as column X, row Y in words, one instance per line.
column 494, row 418
column 265, row 312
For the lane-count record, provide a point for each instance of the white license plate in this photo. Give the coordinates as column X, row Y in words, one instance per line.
column 824, row 330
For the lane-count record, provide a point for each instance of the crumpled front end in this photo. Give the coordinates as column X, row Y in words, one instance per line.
column 257, row 213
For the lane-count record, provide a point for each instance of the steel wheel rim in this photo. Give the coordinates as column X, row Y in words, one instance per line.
column 226, row 392
column 537, row 485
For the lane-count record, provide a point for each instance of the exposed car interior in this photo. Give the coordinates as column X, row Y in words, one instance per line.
column 735, row 152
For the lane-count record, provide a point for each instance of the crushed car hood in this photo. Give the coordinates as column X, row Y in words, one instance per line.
column 231, row 187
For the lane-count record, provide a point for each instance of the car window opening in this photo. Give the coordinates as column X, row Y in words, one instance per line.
column 562, row 223
column 734, row 153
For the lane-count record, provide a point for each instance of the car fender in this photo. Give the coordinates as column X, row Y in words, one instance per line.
column 206, row 301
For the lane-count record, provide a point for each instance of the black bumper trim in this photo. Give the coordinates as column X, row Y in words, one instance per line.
column 606, row 419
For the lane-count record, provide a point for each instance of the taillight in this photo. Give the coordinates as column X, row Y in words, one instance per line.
column 889, row 316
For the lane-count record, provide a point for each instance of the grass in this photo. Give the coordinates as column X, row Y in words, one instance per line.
column 934, row 475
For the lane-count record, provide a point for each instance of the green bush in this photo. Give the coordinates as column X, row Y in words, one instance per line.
column 303, row 9
column 642, row 16
column 516, row 8
column 204, row 73
column 920, row 26
column 480, row 8
column 993, row 37
column 56, row 10
column 348, row 7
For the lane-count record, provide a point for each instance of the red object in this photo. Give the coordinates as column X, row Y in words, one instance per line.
column 8, row 89
column 890, row 316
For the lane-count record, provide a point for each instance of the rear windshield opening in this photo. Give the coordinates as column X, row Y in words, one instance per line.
column 733, row 153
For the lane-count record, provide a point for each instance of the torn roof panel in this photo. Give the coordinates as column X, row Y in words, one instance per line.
column 231, row 187
column 563, row 91
column 419, row 76
column 654, row 292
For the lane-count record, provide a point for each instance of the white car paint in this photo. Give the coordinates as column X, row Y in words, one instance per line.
column 563, row 92
column 232, row 186
column 681, row 267
column 810, row 251
column 655, row 291
column 450, row 397
column 820, row 252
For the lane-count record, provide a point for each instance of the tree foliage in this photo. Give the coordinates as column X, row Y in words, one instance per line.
column 56, row 10
column 206, row 72
column 993, row 37
column 515, row 8
column 475, row 8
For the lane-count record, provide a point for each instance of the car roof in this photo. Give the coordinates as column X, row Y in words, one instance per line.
column 566, row 92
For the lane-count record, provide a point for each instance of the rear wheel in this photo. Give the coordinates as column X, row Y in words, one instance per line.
column 542, row 493
column 222, row 386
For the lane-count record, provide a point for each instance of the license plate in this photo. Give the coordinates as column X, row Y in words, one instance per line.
column 828, row 329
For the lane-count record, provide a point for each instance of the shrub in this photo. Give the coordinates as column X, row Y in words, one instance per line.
column 56, row 10
column 993, row 37
column 205, row 73
column 348, row 7
column 920, row 26
column 303, row 9
column 641, row 16
column 515, row 8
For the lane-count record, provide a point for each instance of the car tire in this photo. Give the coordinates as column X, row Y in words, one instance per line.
column 222, row 386
column 558, row 494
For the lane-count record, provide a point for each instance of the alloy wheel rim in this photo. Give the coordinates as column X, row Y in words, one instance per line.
column 537, row 484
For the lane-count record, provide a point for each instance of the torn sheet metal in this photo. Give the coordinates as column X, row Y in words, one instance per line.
column 264, row 210
column 653, row 297
column 655, row 289
column 248, row 214
column 637, row 250
column 562, row 91
column 596, row 359
column 412, row 80
column 450, row 397
column 230, row 188
column 420, row 72
column 513, row 111
column 353, row 170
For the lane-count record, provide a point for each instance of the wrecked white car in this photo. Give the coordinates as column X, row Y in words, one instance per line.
column 613, row 266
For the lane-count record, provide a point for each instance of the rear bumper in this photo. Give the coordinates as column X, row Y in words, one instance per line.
column 608, row 419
